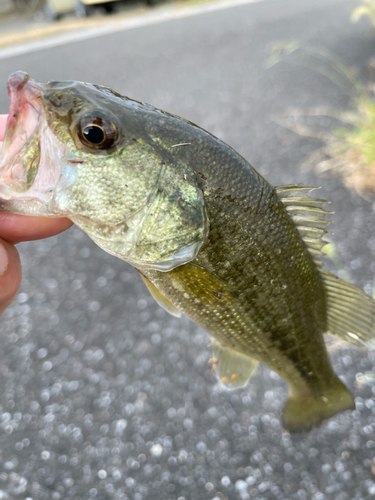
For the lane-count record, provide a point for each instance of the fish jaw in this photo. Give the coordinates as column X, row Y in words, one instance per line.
column 31, row 157
column 22, row 127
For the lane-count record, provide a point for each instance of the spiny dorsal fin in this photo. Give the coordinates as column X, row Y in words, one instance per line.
column 308, row 215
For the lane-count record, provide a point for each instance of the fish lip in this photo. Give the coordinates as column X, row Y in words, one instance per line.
column 20, row 82
column 23, row 122
column 23, row 91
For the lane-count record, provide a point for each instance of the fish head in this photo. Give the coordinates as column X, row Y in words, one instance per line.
column 82, row 151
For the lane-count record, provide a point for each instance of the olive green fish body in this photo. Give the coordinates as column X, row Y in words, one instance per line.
column 253, row 284
column 209, row 235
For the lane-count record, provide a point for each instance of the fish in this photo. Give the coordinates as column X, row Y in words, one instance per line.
column 210, row 237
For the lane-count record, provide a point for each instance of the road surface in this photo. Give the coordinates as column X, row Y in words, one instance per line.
column 106, row 397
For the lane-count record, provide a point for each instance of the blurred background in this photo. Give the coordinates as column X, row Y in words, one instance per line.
column 54, row 10
column 103, row 395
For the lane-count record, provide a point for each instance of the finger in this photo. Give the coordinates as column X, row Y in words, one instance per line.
column 10, row 274
column 17, row 228
column 3, row 121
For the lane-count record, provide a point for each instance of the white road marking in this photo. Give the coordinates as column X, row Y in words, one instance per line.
column 153, row 17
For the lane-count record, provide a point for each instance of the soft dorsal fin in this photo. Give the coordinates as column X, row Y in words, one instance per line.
column 350, row 312
column 308, row 215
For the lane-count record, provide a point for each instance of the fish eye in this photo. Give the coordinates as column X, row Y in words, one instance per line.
column 97, row 132
column 94, row 134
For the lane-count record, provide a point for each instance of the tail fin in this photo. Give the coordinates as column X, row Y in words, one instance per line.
column 350, row 312
column 302, row 413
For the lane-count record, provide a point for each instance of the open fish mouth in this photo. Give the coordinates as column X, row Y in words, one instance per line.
column 20, row 155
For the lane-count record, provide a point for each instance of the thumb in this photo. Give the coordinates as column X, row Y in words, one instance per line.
column 10, row 274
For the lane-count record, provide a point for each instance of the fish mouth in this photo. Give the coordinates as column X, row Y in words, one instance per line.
column 20, row 155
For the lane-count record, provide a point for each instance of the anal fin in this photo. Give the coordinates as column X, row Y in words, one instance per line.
column 232, row 368
column 350, row 312
column 161, row 299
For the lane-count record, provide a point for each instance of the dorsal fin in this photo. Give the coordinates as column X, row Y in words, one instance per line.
column 308, row 215
column 350, row 312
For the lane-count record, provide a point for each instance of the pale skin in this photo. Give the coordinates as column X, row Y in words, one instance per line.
column 16, row 228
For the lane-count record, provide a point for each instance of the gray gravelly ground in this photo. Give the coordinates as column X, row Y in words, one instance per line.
column 103, row 395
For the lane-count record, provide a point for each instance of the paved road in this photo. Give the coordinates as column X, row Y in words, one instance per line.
column 104, row 396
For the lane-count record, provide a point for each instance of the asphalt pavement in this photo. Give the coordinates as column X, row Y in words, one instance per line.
column 103, row 396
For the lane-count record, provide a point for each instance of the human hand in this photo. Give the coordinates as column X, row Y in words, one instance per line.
column 13, row 229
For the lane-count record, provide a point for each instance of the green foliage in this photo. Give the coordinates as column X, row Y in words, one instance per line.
column 367, row 9
column 361, row 137
column 351, row 149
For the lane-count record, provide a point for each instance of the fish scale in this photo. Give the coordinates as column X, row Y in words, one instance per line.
column 243, row 307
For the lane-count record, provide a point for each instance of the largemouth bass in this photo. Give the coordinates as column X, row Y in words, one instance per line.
column 210, row 236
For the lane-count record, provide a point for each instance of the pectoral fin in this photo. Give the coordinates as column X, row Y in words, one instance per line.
column 232, row 368
column 350, row 312
column 160, row 299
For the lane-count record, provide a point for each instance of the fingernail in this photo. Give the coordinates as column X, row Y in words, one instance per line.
column 3, row 259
